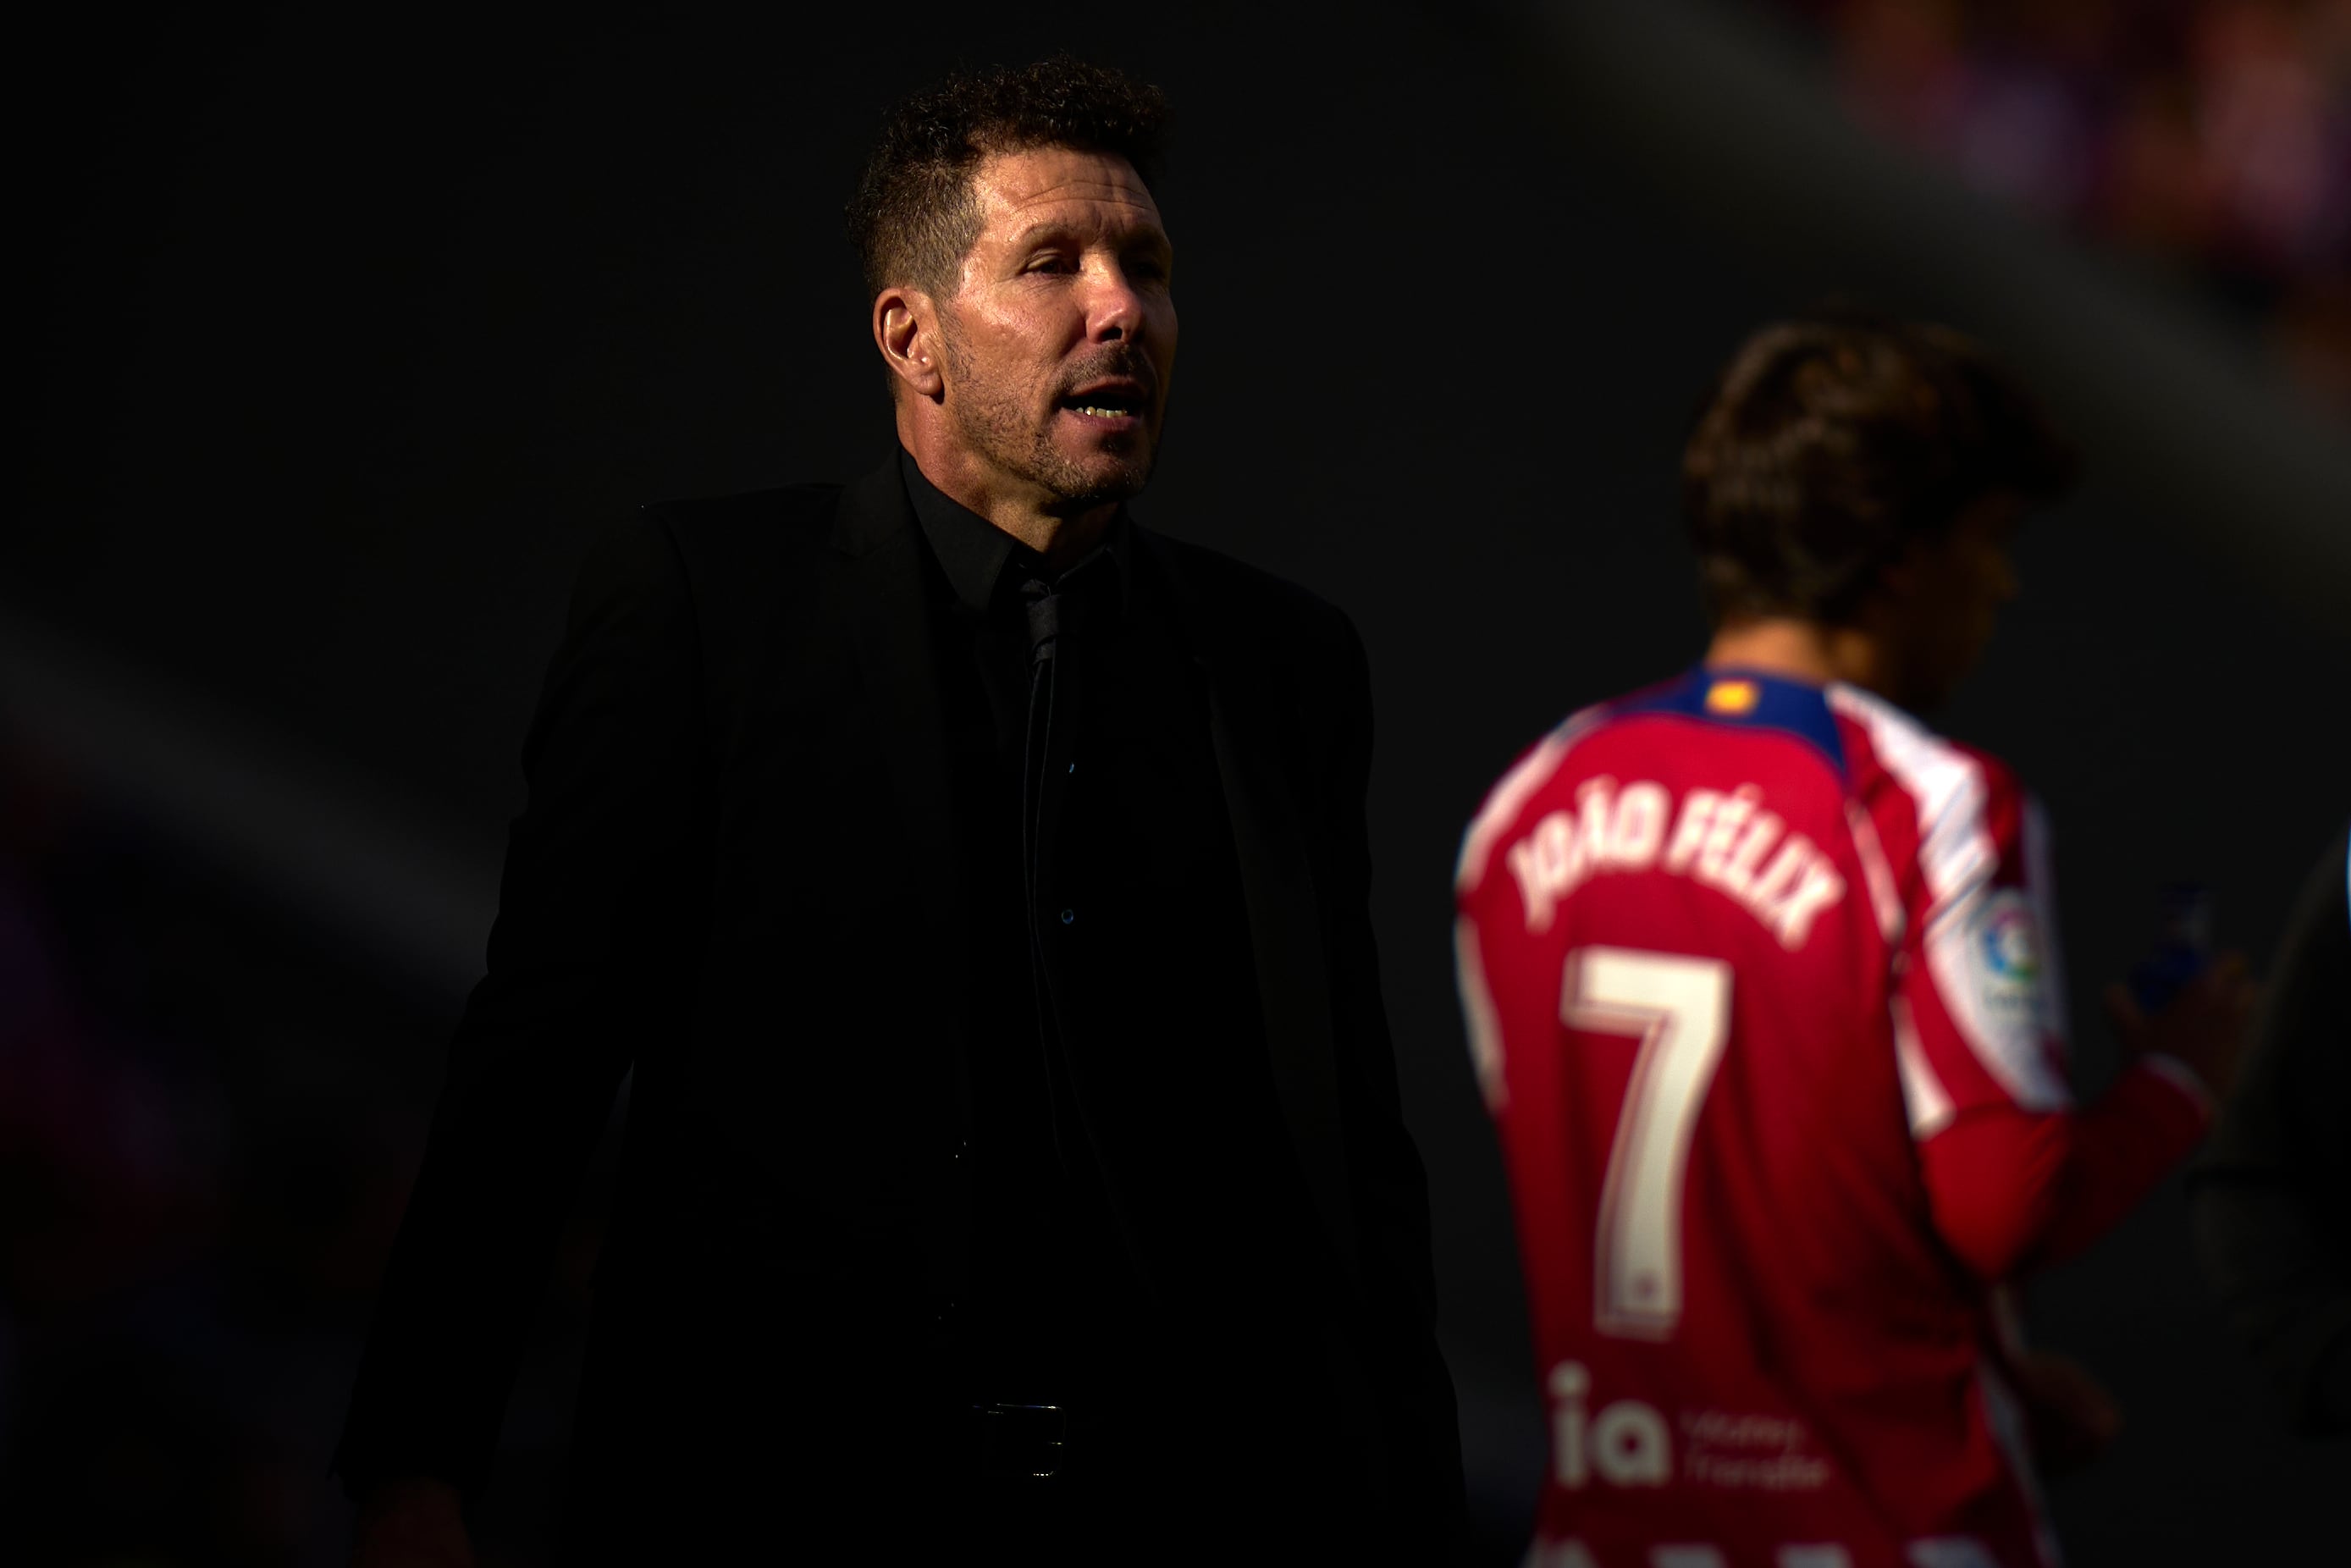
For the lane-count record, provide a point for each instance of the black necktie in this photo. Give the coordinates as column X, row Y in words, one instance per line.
column 1044, row 614
column 1052, row 715
column 1065, row 618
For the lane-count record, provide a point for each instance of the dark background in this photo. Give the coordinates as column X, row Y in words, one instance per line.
column 355, row 323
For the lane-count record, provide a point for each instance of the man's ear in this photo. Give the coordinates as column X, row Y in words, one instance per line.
column 906, row 331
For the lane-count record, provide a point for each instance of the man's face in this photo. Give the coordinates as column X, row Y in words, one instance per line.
column 1954, row 587
column 1058, row 332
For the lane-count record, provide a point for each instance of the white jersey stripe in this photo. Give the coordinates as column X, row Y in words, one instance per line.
column 1884, row 897
column 1951, row 1551
column 2181, row 1077
column 1957, row 857
column 1923, row 1095
column 1954, row 844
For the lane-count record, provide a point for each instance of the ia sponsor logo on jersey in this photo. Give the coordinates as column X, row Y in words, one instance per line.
column 1626, row 1444
column 1724, row 840
column 2007, row 944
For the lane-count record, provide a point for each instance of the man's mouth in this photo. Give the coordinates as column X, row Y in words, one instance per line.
column 1116, row 403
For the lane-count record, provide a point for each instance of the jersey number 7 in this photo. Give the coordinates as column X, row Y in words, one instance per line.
column 1678, row 1006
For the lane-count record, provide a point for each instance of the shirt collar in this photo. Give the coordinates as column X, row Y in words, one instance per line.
column 976, row 554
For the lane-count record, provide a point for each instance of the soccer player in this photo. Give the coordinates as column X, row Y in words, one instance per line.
column 1762, row 983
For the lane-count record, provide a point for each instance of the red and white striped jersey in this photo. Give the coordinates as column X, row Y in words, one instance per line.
column 1761, row 986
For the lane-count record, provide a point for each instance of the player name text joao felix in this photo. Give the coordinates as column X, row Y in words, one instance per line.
column 1731, row 841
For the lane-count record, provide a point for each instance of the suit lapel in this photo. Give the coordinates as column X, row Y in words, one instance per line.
column 1283, row 907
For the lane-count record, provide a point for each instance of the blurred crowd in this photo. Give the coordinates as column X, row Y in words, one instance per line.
column 203, row 1153
column 2211, row 136
column 144, row 1261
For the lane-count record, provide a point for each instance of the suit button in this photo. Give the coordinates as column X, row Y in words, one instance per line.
column 1069, row 916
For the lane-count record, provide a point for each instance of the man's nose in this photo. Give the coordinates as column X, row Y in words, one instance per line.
column 1113, row 307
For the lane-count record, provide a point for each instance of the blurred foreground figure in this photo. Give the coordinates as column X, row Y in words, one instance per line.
column 2271, row 1197
column 977, row 885
column 1761, row 975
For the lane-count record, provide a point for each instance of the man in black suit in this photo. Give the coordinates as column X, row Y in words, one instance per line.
column 977, row 885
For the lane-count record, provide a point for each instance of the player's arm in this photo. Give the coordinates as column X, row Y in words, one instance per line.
column 2014, row 1189
column 2018, row 1174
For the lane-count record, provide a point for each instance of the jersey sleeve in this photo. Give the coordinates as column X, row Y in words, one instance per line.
column 2017, row 1174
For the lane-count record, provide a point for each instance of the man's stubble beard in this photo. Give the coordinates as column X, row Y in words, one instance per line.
column 999, row 429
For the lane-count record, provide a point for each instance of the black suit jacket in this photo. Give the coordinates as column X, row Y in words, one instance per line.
column 730, row 878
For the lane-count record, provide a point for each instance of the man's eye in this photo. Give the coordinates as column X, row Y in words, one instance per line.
column 1052, row 264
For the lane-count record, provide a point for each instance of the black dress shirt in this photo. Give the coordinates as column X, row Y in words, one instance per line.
column 1132, row 839
column 1049, row 1276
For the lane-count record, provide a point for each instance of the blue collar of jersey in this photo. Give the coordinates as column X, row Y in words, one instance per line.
column 1748, row 699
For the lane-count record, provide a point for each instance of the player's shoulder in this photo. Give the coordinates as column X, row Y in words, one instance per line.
column 1544, row 769
column 1696, row 707
column 1956, row 809
column 1886, row 738
column 1529, row 776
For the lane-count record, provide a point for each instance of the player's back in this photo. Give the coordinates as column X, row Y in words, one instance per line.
column 1681, row 945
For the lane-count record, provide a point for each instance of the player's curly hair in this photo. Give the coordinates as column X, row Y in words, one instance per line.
column 1831, row 441
column 912, row 218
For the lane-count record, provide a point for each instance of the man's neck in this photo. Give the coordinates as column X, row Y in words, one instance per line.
column 1801, row 651
column 1023, row 512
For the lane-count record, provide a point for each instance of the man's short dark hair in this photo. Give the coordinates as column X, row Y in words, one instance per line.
column 914, row 219
column 1832, row 441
